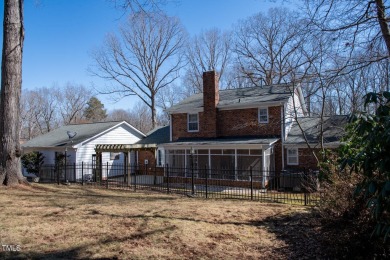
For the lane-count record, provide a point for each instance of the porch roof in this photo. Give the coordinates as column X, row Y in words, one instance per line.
column 222, row 142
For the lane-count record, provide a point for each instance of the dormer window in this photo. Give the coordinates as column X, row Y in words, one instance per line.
column 263, row 115
column 193, row 123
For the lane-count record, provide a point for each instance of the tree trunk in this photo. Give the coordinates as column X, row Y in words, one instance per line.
column 11, row 82
column 154, row 112
column 382, row 19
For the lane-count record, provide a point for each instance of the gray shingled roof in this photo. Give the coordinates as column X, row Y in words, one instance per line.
column 59, row 137
column 156, row 136
column 333, row 129
column 237, row 97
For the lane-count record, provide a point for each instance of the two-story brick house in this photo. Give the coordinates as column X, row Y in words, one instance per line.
column 241, row 128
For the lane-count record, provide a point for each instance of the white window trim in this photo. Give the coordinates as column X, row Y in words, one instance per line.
column 258, row 117
column 160, row 157
column 188, row 122
column 288, row 157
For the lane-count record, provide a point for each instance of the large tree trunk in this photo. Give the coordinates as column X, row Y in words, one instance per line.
column 11, row 82
column 383, row 22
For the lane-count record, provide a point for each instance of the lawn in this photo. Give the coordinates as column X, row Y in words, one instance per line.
column 49, row 221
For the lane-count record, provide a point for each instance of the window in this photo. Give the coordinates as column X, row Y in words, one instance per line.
column 193, row 123
column 292, row 156
column 263, row 115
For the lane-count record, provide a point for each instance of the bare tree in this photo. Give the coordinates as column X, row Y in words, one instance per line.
column 118, row 115
column 146, row 58
column 48, row 109
column 38, row 112
column 138, row 116
column 168, row 97
column 137, row 6
column 72, row 101
column 210, row 50
column 357, row 27
column 11, row 83
column 268, row 47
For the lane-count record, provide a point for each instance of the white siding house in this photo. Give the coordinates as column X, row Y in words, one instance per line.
column 81, row 148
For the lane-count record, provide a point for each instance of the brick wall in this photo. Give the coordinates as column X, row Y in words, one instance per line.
column 146, row 155
column 241, row 122
column 179, row 129
column 305, row 159
column 210, row 102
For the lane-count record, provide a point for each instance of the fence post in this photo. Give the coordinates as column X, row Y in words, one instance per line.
column 251, row 173
column 167, row 178
column 107, row 176
column 74, row 172
column 207, row 178
column 128, row 174
column 135, row 177
column 305, row 185
column 155, row 175
column 192, row 177
column 124, row 172
column 66, row 172
column 82, row 173
column 57, row 169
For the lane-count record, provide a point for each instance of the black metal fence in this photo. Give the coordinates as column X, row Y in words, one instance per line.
column 294, row 187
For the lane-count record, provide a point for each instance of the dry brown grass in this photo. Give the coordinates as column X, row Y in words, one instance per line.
column 50, row 221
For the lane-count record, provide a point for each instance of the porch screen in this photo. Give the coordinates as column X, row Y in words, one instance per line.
column 222, row 164
column 198, row 163
column 245, row 160
column 176, row 162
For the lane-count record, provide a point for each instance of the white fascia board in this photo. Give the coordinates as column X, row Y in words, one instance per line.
column 108, row 130
column 215, row 146
column 185, row 111
column 251, row 105
column 302, row 99
column 312, row 145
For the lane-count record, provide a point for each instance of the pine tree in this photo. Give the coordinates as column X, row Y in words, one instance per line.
column 95, row 111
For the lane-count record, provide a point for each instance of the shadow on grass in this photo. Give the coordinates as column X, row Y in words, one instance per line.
column 82, row 252
column 304, row 234
column 93, row 193
column 308, row 236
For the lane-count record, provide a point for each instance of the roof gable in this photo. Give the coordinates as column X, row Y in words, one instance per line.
column 156, row 136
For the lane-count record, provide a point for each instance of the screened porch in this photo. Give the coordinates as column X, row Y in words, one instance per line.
column 234, row 162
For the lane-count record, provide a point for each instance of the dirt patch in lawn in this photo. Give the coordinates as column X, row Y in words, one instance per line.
column 49, row 221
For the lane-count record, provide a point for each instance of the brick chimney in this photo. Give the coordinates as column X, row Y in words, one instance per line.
column 210, row 102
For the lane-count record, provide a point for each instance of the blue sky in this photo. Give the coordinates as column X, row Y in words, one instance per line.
column 60, row 34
